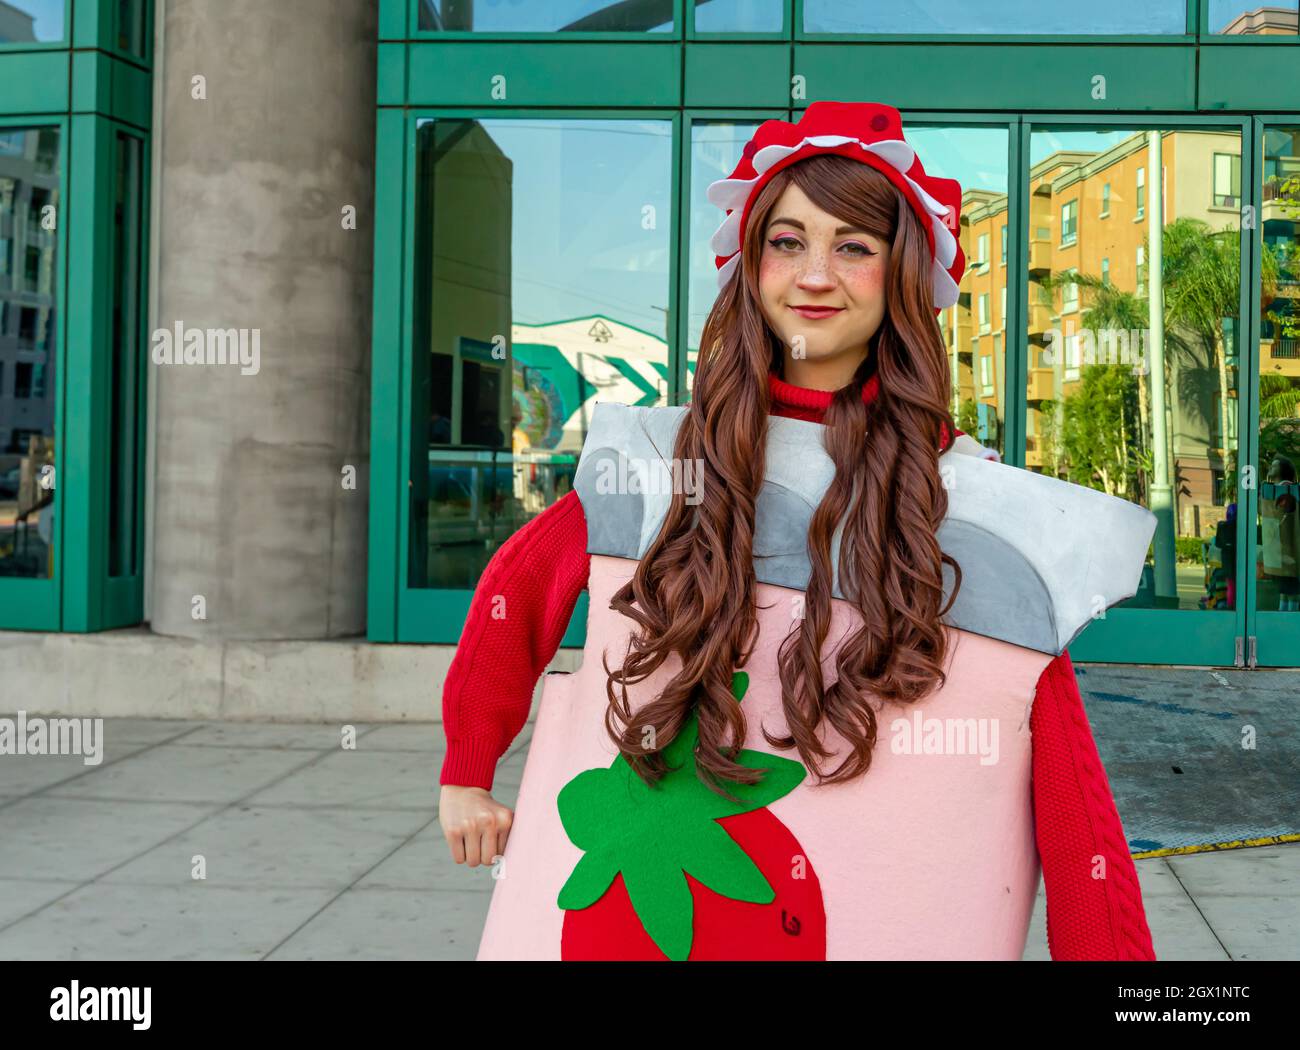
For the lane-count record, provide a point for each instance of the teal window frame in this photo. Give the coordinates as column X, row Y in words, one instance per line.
column 90, row 90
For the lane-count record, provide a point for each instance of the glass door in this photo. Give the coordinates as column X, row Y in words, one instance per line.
column 1274, row 564
column 31, row 187
column 1135, row 254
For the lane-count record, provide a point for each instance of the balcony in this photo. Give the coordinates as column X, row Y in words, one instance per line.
column 1280, row 356
column 1040, row 318
column 1041, row 386
column 1033, row 455
column 1040, row 255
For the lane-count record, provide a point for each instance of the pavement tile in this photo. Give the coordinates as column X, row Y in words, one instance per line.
column 373, row 924
column 194, row 921
column 18, row 897
column 274, row 735
column 186, row 774
column 425, row 864
column 276, row 847
column 369, row 779
column 80, row 839
column 426, row 737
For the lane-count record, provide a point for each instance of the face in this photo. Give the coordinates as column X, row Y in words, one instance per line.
column 811, row 259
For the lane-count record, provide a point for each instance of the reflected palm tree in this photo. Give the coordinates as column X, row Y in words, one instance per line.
column 1201, row 278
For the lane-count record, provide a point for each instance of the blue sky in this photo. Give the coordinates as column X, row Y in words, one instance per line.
column 48, row 15
column 590, row 208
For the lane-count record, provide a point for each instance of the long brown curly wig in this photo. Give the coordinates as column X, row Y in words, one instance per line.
column 693, row 593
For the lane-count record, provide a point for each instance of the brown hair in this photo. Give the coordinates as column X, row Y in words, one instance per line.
column 693, row 593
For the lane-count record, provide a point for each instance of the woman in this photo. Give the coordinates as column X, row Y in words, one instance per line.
column 1280, row 537
column 818, row 742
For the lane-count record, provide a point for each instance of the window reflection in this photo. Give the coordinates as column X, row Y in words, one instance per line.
column 995, row 17
column 541, row 287
column 715, row 152
column 28, row 21
column 974, row 329
column 130, row 26
column 546, row 16
column 739, row 16
column 29, row 203
column 1234, row 18
column 1124, row 398
column 1277, row 567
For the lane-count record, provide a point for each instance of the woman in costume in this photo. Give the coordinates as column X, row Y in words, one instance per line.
column 825, row 709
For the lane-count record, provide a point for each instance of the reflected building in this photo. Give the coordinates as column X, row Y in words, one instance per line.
column 1087, row 217
column 29, row 202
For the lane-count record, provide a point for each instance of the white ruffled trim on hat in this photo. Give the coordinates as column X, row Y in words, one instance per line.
column 943, row 288
column 727, row 269
column 731, row 195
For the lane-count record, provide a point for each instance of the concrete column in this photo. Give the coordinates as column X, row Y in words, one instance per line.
column 252, row 524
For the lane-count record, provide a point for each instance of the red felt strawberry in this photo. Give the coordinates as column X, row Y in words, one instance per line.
column 677, row 871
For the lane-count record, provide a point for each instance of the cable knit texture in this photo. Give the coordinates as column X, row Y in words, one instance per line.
column 522, row 607
column 1094, row 901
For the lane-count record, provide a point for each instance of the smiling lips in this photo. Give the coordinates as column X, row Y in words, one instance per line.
column 814, row 313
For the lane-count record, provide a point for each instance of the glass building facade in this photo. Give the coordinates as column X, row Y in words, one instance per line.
column 1127, row 319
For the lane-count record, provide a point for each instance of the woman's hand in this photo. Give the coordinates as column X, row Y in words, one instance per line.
column 474, row 824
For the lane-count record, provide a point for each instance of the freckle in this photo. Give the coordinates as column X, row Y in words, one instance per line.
column 866, row 279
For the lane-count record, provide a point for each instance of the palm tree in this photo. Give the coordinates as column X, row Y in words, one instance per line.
column 1110, row 308
column 1201, row 274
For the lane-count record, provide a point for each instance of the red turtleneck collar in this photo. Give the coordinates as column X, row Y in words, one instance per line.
column 801, row 402
column 804, row 403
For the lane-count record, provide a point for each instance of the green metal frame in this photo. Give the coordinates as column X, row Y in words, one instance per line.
column 91, row 90
column 1193, row 79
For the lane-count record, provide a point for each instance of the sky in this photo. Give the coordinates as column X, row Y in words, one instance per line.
column 48, row 15
column 591, row 209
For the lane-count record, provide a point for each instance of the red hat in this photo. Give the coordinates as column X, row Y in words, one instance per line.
column 870, row 132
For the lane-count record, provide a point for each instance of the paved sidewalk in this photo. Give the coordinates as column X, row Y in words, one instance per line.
column 316, row 852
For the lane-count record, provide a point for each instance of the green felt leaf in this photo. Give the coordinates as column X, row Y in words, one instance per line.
column 588, row 804
column 680, row 752
column 708, row 854
column 662, row 901
column 593, row 875
column 783, row 776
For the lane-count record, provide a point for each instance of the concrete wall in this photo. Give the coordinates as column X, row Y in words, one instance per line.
column 249, row 510
column 131, row 673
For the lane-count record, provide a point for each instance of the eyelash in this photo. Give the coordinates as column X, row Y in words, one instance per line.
column 864, row 252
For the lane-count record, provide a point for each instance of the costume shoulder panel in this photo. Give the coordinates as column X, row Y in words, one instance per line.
column 1039, row 556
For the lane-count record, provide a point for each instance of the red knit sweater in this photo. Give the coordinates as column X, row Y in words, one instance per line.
column 541, row 570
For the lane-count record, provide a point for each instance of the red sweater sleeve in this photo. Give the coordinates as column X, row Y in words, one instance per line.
column 518, row 614
column 1088, row 916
